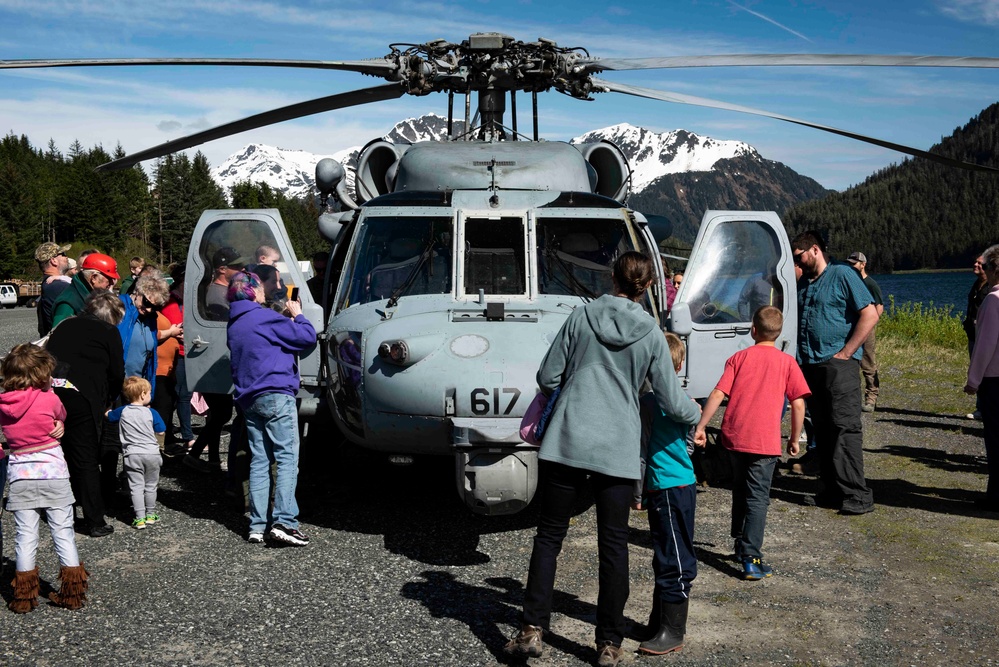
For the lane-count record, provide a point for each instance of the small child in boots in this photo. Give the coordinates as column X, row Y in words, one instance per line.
column 32, row 417
column 139, row 426
column 670, row 496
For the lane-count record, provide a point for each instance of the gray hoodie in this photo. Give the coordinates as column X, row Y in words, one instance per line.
column 600, row 358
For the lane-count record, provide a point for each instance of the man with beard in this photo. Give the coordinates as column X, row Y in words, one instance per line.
column 836, row 314
column 53, row 263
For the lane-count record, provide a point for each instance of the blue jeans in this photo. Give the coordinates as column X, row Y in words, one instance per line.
column 272, row 431
column 671, row 522
column 751, row 478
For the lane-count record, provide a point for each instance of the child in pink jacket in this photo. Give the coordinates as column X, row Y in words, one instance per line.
column 32, row 416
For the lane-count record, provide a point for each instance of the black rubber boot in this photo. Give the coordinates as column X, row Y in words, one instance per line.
column 672, row 628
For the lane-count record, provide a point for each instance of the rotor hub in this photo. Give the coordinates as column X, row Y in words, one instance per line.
column 491, row 61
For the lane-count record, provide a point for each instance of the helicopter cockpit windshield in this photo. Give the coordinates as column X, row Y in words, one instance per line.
column 400, row 256
column 575, row 256
column 495, row 256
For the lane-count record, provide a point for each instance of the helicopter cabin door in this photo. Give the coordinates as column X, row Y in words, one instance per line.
column 224, row 242
column 740, row 262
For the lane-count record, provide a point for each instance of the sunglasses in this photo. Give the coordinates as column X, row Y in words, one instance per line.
column 146, row 303
column 797, row 257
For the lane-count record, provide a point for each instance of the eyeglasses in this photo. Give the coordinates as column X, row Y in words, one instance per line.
column 146, row 303
column 797, row 257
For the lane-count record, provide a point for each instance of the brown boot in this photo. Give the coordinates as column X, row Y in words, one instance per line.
column 73, row 591
column 25, row 591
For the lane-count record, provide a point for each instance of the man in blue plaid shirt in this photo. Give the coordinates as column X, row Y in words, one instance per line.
column 836, row 313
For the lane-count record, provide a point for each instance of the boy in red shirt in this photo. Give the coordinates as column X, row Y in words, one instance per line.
column 756, row 381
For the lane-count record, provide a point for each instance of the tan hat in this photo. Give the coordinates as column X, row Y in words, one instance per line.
column 48, row 250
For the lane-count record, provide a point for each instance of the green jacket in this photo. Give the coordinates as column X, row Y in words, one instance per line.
column 70, row 302
column 601, row 357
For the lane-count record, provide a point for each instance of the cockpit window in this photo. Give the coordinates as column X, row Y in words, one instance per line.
column 397, row 257
column 576, row 255
column 736, row 274
column 494, row 256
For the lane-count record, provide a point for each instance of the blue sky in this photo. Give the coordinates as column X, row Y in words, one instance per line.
column 142, row 107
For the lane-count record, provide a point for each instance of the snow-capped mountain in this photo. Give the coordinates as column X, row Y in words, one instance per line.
column 293, row 172
column 651, row 154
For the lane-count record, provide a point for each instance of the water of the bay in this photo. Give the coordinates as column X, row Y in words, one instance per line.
column 941, row 289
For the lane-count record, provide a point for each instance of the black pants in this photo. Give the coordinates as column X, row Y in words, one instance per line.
column 561, row 486
column 835, row 408
column 81, row 446
column 671, row 523
column 988, row 393
column 219, row 414
column 164, row 402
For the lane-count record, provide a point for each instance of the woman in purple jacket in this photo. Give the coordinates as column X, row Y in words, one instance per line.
column 262, row 349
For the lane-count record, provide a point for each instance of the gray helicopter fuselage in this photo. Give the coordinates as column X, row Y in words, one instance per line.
column 450, row 275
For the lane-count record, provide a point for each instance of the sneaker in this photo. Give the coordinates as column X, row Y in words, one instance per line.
column 526, row 643
column 101, row 531
column 255, row 538
column 867, row 407
column 754, row 569
column 854, row 507
column 174, row 450
column 152, row 518
column 288, row 535
column 139, row 524
column 608, row 655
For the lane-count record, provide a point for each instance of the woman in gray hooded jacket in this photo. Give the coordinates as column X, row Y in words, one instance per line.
column 600, row 359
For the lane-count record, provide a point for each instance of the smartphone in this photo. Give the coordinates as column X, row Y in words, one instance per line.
column 294, row 294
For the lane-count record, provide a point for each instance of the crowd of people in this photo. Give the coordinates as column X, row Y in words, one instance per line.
column 99, row 390
column 108, row 377
column 608, row 440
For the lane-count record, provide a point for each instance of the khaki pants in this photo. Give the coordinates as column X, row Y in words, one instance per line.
column 869, row 368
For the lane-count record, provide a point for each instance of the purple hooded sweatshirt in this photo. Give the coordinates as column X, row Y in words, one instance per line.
column 262, row 349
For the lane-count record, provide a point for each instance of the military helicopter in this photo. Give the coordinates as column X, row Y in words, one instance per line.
column 454, row 263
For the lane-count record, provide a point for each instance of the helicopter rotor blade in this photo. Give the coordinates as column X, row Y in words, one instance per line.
column 680, row 98
column 784, row 60
column 373, row 66
column 339, row 101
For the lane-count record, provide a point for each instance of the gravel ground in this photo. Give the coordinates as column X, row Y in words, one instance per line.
column 399, row 573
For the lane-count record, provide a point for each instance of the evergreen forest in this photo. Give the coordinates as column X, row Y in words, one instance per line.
column 917, row 214
column 46, row 195
column 913, row 215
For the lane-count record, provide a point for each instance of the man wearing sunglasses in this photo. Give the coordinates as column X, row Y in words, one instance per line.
column 836, row 314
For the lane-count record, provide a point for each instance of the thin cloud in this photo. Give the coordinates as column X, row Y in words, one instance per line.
column 769, row 20
column 971, row 11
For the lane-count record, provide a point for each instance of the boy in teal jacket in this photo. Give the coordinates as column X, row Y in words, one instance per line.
column 670, row 497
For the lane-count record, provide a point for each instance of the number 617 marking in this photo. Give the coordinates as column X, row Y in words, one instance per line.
column 480, row 400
